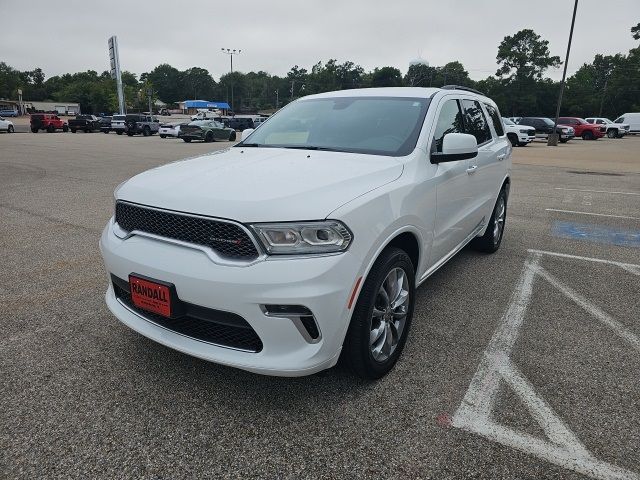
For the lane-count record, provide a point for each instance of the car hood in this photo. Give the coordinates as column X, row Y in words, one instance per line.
column 262, row 184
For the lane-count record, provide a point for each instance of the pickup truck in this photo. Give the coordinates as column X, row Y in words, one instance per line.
column 144, row 124
column 47, row 121
column 544, row 126
column 583, row 129
column 86, row 123
column 614, row 130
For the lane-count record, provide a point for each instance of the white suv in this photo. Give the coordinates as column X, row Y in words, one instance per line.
column 306, row 241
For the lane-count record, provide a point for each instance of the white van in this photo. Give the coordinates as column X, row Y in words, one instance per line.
column 632, row 119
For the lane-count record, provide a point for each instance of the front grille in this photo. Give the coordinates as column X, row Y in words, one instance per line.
column 225, row 329
column 226, row 239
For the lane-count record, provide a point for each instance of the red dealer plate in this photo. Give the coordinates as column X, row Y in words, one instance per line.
column 150, row 296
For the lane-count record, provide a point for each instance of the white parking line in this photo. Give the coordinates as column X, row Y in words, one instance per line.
column 590, row 213
column 475, row 414
column 597, row 191
column 587, row 259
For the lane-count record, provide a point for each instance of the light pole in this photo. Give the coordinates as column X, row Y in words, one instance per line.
column 553, row 137
column 231, row 53
column 277, row 98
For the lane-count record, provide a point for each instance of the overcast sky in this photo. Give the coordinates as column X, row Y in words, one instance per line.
column 70, row 36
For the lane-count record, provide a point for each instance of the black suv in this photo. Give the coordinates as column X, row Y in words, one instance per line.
column 236, row 123
column 544, row 126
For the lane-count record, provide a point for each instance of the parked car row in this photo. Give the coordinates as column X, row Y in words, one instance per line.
column 591, row 128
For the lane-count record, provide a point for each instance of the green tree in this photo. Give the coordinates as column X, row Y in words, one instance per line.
column 524, row 55
column 386, row 77
column 635, row 32
column 166, row 82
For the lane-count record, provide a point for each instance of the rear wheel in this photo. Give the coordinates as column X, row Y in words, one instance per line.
column 232, row 136
column 119, row 132
column 34, row 130
column 564, row 140
column 587, row 135
column 163, row 136
column 51, row 129
column 10, row 129
column 492, row 238
column 611, row 133
column 73, row 130
column 513, row 138
column 208, row 137
column 146, row 131
column 188, row 140
column 382, row 316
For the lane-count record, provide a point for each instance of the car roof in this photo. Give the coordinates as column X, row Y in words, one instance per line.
column 402, row 92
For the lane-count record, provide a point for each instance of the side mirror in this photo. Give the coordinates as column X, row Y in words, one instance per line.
column 456, row 146
column 246, row 133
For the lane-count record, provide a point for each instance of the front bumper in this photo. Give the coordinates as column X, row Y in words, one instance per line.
column 322, row 284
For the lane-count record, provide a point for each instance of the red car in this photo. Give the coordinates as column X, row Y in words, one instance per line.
column 47, row 121
column 584, row 129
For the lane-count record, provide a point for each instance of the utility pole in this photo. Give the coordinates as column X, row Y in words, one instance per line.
column 149, row 95
column 553, row 137
column 277, row 98
column 114, row 58
column 231, row 53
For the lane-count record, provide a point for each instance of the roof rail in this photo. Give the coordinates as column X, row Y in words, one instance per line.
column 460, row 87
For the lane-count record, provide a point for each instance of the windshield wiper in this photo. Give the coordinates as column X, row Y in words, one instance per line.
column 309, row 147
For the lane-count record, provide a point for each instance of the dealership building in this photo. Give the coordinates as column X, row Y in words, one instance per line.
column 192, row 106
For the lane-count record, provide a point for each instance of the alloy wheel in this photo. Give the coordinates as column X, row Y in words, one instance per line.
column 498, row 224
column 389, row 314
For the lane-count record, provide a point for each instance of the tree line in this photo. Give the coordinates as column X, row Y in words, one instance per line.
column 608, row 86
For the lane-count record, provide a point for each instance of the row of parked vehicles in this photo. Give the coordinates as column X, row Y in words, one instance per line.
column 523, row 130
column 201, row 127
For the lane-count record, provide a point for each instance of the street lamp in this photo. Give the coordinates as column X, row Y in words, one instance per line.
column 231, row 53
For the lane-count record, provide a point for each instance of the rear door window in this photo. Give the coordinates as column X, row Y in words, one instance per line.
column 475, row 122
column 495, row 118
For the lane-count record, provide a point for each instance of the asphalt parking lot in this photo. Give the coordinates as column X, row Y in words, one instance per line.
column 523, row 364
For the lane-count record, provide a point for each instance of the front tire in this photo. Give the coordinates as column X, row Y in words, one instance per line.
column 492, row 238
column 611, row 133
column 51, row 129
column 513, row 138
column 187, row 140
column 10, row 129
column 382, row 316
column 146, row 131
column 588, row 136
column 65, row 128
column 163, row 136
column 208, row 138
column 119, row 132
column 73, row 130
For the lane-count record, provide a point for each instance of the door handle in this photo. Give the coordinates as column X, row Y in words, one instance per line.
column 502, row 156
column 472, row 169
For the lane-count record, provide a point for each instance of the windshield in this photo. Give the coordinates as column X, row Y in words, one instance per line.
column 371, row 125
column 506, row 121
column 548, row 121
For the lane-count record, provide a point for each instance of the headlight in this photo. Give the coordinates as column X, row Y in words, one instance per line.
column 329, row 236
column 565, row 130
column 524, row 131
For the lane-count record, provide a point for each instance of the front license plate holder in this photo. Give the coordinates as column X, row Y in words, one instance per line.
column 153, row 295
